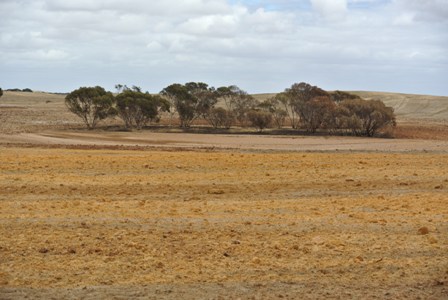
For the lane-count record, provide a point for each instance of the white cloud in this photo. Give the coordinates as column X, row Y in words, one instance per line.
column 211, row 25
column 331, row 9
column 404, row 19
column 166, row 7
column 427, row 10
column 51, row 54
column 262, row 46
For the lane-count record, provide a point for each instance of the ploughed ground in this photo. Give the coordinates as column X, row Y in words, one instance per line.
column 105, row 224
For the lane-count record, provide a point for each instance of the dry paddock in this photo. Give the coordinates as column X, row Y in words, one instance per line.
column 208, row 224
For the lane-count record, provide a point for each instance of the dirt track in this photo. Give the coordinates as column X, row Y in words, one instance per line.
column 153, row 224
column 223, row 141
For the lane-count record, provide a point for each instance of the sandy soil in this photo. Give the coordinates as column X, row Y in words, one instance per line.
column 103, row 224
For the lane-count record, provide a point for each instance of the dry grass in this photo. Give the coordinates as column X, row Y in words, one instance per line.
column 409, row 106
column 423, row 132
column 31, row 99
column 33, row 112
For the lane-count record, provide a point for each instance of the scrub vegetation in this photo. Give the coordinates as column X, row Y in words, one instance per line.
column 302, row 106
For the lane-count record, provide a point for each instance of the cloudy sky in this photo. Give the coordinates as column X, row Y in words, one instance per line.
column 259, row 45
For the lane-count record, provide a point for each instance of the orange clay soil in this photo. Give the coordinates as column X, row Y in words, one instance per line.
column 154, row 224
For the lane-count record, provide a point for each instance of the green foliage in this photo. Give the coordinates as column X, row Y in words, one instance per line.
column 206, row 97
column 243, row 103
column 274, row 107
column 183, row 102
column 303, row 105
column 259, row 119
column 238, row 103
column 27, row 90
column 91, row 104
column 230, row 94
column 136, row 108
column 285, row 103
column 299, row 95
column 1, row 92
column 337, row 120
column 339, row 96
column 192, row 100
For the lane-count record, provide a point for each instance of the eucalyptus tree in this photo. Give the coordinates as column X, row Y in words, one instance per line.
column 299, row 95
column 191, row 100
column 368, row 116
column 137, row 109
column 91, row 104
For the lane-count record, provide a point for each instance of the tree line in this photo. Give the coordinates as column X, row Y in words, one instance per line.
column 301, row 106
column 26, row 90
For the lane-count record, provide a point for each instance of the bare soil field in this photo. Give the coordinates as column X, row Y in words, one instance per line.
column 108, row 214
column 102, row 224
column 33, row 112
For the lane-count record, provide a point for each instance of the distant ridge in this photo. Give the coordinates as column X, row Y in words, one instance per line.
column 406, row 106
column 412, row 106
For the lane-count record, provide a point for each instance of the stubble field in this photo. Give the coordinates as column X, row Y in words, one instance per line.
column 120, row 224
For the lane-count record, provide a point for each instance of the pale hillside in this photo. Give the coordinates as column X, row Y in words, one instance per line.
column 412, row 106
column 407, row 106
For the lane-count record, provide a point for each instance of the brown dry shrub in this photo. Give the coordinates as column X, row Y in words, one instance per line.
column 424, row 132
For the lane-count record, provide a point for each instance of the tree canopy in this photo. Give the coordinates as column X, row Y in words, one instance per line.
column 136, row 108
column 192, row 100
column 301, row 106
column 368, row 116
column 91, row 104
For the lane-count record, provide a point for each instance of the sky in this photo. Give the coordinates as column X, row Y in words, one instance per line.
column 262, row 46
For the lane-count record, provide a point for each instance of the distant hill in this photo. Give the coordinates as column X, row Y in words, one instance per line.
column 411, row 106
column 406, row 106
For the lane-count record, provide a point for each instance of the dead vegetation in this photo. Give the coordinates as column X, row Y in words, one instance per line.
column 421, row 131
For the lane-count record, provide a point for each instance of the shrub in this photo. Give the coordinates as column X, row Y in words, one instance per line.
column 259, row 119
column 220, row 117
column 316, row 111
column 368, row 116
